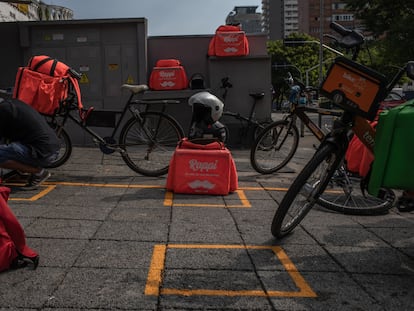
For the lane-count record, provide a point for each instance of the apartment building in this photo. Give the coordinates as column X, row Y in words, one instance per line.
column 249, row 20
column 283, row 17
column 34, row 10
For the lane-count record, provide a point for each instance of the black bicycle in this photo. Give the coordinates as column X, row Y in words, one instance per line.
column 146, row 141
column 249, row 125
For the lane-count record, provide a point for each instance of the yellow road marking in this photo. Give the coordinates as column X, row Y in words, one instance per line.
column 154, row 280
column 169, row 201
column 37, row 196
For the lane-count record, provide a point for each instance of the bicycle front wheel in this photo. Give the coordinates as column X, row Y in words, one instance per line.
column 304, row 192
column 274, row 147
column 149, row 146
column 65, row 149
column 344, row 195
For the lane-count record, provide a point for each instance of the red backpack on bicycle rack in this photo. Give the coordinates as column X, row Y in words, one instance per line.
column 44, row 84
column 229, row 40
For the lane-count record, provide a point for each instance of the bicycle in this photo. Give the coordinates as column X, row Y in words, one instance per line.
column 146, row 141
column 247, row 123
column 276, row 145
column 310, row 184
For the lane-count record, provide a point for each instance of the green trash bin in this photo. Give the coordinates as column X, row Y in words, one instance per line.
column 393, row 166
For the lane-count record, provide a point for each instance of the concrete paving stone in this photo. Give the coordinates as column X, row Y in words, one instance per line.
column 134, row 194
column 335, row 291
column 130, row 201
column 345, row 236
column 28, row 209
column 252, row 217
column 142, row 214
column 396, row 237
column 382, row 260
column 223, row 280
column 305, row 258
column 115, row 254
column 214, row 303
column 202, row 215
column 85, row 196
column 25, row 288
column 393, row 292
column 183, row 232
column 91, row 211
column 208, row 258
column 253, row 204
column 63, row 228
column 57, row 253
column 321, row 217
column 89, row 288
column 133, row 231
column 389, row 220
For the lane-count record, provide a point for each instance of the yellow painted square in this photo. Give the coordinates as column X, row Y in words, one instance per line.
column 154, row 280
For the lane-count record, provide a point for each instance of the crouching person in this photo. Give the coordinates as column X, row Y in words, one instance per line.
column 29, row 144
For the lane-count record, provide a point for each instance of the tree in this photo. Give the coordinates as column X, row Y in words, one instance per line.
column 296, row 55
column 391, row 21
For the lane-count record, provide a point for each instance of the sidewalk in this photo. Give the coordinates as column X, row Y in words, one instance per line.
column 111, row 239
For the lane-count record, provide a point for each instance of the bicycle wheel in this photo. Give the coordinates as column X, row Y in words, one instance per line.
column 150, row 146
column 274, row 147
column 65, row 148
column 344, row 195
column 306, row 189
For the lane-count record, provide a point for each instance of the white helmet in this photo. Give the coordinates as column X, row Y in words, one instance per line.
column 208, row 100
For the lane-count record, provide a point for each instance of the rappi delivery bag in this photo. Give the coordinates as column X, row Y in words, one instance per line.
column 168, row 74
column 229, row 40
column 202, row 169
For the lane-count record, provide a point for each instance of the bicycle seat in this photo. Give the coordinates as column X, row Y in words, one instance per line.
column 135, row 88
column 257, row 95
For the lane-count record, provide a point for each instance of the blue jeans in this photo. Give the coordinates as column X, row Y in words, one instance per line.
column 23, row 154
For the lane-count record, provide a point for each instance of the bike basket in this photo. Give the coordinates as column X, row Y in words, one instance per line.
column 354, row 87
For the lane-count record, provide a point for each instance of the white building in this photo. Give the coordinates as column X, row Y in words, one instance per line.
column 34, row 11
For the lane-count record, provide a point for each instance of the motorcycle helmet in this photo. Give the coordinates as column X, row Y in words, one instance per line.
column 206, row 106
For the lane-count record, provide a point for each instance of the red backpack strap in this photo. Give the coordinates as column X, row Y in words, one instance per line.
column 76, row 87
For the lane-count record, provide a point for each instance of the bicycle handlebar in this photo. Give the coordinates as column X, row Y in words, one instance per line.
column 349, row 38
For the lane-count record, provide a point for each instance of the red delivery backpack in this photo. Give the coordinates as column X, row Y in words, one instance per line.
column 229, row 40
column 202, row 169
column 358, row 157
column 44, row 84
column 14, row 253
column 168, row 74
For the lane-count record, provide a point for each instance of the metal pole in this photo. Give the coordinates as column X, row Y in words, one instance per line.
column 321, row 29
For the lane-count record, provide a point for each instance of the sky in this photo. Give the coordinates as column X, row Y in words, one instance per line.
column 164, row 17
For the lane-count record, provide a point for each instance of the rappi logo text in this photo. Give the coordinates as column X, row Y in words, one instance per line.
column 199, row 166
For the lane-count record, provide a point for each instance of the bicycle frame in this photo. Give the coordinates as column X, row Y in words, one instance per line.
column 128, row 107
column 300, row 112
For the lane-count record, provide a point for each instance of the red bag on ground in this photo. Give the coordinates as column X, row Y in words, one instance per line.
column 202, row 169
column 168, row 74
column 358, row 158
column 12, row 237
column 229, row 40
column 44, row 83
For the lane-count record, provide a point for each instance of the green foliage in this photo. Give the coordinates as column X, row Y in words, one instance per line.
column 391, row 23
column 296, row 59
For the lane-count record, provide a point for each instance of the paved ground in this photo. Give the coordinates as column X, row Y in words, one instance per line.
column 111, row 239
